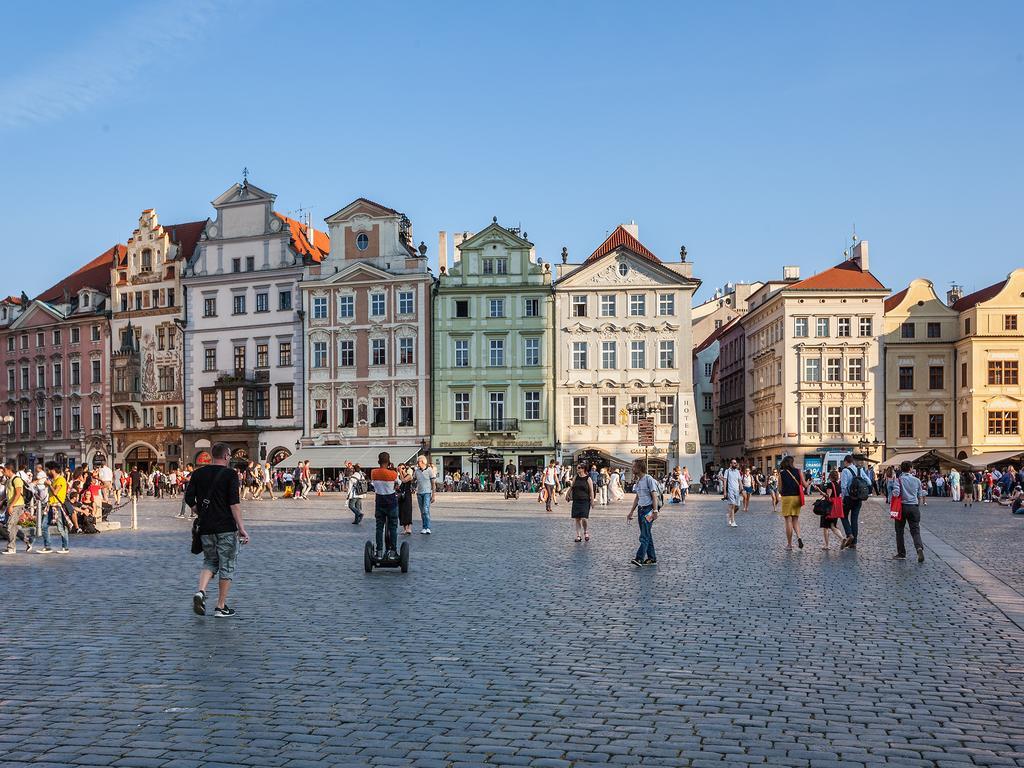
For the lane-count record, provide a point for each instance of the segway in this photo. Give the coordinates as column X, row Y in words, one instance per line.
column 371, row 561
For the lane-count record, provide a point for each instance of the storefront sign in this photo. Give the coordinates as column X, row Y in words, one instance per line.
column 491, row 444
column 645, row 429
column 647, row 451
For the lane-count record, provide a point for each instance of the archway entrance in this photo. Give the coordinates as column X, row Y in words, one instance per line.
column 141, row 456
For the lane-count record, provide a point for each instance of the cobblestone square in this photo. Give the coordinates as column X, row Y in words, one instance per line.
column 508, row 644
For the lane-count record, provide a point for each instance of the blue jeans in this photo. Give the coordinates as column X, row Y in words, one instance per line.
column 385, row 511
column 851, row 510
column 424, row 502
column 58, row 519
column 646, row 550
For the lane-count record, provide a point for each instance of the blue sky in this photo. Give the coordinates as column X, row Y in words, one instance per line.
column 757, row 134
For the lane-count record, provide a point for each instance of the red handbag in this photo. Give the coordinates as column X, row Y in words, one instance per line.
column 837, row 505
column 896, row 504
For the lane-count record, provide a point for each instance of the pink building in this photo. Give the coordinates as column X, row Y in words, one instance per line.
column 54, row 390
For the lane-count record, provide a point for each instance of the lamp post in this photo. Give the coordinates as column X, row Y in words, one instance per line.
column 6, row 420
column 644, row 409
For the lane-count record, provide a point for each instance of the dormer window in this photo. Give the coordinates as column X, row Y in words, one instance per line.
column 85, row 299
column 146, row 263
column 362, row 241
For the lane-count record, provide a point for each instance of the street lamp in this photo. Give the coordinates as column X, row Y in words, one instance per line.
column 868, row 446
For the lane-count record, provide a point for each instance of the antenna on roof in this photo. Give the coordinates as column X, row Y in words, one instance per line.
column 855, row 232
column 245, row 175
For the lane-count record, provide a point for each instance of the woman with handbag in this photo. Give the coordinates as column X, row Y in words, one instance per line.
column 791, row 481
column 833, row 509
column 581, row 495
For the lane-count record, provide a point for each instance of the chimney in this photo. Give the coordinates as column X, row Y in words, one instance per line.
column 860, row 254
column 791, row 273
column 309, row 227
column 954, row 294
column 458, row 239
column 632, row 228
column 442, row 250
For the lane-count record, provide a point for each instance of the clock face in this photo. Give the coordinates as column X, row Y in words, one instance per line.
column 211, row 231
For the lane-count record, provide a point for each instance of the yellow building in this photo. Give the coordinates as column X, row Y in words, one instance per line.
column 919, row 337
column 988, row 356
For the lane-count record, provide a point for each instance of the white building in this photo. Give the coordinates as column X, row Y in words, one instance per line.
column 623, row 336
column 243, row 329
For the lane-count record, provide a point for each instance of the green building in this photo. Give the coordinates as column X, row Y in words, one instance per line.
column 493, row 369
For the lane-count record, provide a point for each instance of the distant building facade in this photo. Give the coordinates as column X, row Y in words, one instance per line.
column 146, row 326
column 367, row 356
column 55, row 386
column 623, row 335
column 243, row 340
column 493, row 377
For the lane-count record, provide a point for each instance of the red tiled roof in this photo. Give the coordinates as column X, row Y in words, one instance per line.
column 715, row 335
column 95, row 274
column 621, row 238
column 185, row 236
column 314, row 251
column 11, row 300
column 846, row 275
column 371, row 202
column 972, row 299
column 894, row 301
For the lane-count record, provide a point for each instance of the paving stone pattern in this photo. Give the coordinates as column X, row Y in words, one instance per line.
column 506, row 644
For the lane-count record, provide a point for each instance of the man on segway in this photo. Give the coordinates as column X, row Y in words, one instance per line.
column 384, row 479
column 511, row 481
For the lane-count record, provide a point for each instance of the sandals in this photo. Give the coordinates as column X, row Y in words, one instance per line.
column 578, row 539
column 586, row 537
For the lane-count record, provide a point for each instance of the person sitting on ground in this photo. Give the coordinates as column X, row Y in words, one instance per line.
column 1015, row 501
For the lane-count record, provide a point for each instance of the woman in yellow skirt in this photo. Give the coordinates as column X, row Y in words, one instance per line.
column 791, row 488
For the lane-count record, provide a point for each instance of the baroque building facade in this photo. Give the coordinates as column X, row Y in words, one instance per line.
column 919, row 338
column 623, row 339
column 55, row 387
column 243, row 341
column 813, row 367
column 367, row 334
column 989, row 353
column 146, row 326
column 493, row 378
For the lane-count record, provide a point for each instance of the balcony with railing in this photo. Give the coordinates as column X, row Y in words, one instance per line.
column 242, row 376
column 123, row 397
column 496, row 425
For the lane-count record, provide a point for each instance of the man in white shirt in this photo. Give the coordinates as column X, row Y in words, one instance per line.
column 732, row 481
column 356, row 483
column 426, row 483
column 550, row 484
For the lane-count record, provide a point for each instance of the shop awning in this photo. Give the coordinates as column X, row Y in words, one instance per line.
column 609, row 457
column 982, row 460
column 337, row 456
column 927, row 456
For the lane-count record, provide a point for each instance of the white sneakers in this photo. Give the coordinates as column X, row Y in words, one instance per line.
column 733, row 524
column 425, row 530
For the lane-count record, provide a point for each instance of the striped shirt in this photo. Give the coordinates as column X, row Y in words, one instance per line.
column 383, row 480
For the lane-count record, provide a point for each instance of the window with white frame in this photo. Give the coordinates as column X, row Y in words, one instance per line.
column 346, row 353
column 609, row 410
column 531, row 352
column 406, row 411
column 666, row 353
column 406, row 303
column 579, row 411
column 708, row 368
column 531, row 307
column 856, row 419
column 378, row 352
column 346, row 306
column 496, row 353
column 319, row 307
column 866, row 326
column 76, row 418
column 238, row 304
column 579, row 306
column 834, row 419
column 843, row 329
column 531, row 405
column 834, row 369
column 210, row 359
column 461, row 406
column 262, row 301
column 637, row 305
column 638, row 354
column 821, row 327
column 668, row 411
column 496, row 307
column 319, row 354
column 347, row 413
column 667, row 304
column 855, row 369
column 812, row 419
column 210, row 307
column 378, row 412
column 812, row 369
column 462, row 353
column 406, row 355
column 800, row 327
column 608, row 355
column 377, row 305
column 579, row 355
column 608, row 305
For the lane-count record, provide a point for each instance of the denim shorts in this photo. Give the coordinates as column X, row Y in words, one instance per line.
column 220, row 551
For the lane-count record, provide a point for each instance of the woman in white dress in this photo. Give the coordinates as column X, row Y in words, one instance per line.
column 615, row 486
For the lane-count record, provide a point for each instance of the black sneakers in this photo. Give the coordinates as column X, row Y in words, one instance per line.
column 199, row 603
column 920, row 555
column 224, row 613
column 637, row 562
column 650, row 561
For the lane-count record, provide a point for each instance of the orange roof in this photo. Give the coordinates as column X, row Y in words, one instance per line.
column 11, row 300
column 845, row 276
column 95, row 274
column 894, row 301
column 972, row 299
column 314, row 251
column 621, row 238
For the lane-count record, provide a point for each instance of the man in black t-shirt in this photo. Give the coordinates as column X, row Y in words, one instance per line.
column 212, row 494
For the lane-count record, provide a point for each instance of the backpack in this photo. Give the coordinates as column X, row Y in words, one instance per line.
column 360, row 488
column 859, row 489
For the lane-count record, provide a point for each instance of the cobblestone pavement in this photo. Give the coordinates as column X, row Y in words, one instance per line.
column 508, row 644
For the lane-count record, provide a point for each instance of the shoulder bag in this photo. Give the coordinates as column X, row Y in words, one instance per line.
column 896, row 503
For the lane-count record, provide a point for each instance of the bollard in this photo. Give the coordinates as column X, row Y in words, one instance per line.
column 135, row 513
